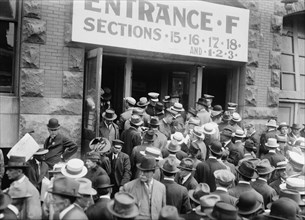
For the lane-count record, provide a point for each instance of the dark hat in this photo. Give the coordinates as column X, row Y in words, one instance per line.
column 202, row 101
column 41, row 151
column 136, row 120
column 117, row 142
column 249, row 144
column 264, row 167
column 169, row 212
column 283, row 208
column 142, row 102
column 175, row 95
column 186, row 164
column 149, row 135
column 226, row 116
column 248, row 204
column 100, row 144
column 282, row 124
column 292, row 194
column 106, row 96
column 102, row 182
column 207, row 96
column 223, row 211
column 166, row 99
column 16, row 162
column 93, row 156
column 207, row 202
column 227, row 133
column 192, row 111
column 154, row 121
column 169, row 166
column 178, row 107
column 173, row 146
column 247, row 169
column 216, row 147
column 109, row 115
column 123, row 205
column 5, row 200
column 296, row 126
column 217, row 110
column 159, row 106
column 65, row 186
column 201, row 189
column 147, row 164
column 224, row 177
column 53, row 124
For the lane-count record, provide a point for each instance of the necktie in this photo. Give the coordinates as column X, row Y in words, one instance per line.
column 113, row 161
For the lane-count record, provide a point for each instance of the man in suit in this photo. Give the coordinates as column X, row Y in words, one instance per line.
column 161, row 139
column 21, row 184
column 203, row 111
column 197, row 136
column 294, row 135
column 253, row 135
column 176, row 195
column 149, row 193
column 153, row 99
column 269, row 133
column 108, row 129
column 65, row 192
column 237, row 150
column 273, row 155
column 165, row 123
column 129, row 106
column 120, row 166
column 279, row 176
column 185, row 176
column 99, row 209
column 205, row 170
column 264, row 170
column 224, row 180
column 60, row 147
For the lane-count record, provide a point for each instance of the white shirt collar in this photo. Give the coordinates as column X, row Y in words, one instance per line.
column 21, row 179
column 213, row 157
column 245, row 182
column 227, row 142
column 65, row 211
column 168, row 178
column 271, row 151
column 262, row 179
column 222, row 189
column 186, row 178
column 105, row 196
column 236, row 141
column 14, row 209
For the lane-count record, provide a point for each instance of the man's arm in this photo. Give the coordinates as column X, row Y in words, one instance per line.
column 70, row 148
column 127, row 172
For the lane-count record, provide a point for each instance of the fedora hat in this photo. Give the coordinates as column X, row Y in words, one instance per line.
column 227, row 132
column 292, row 194
column 216, row 147
column 232, row 105
column 208, row 128
column 53, row 124
column 93, row 156
column 5, row 200
column 149, row 135
column 282, row 124
column 198, row 132
column 109, row 115
column 18, row 191
column 224, row 177
column 239, row 133
column 65, row 186
column 178, row 107
column 106, row 94
column 103, row 182
column 296, row 160
column 16, row 162
column 192, row 111
column 187, row 164
column 169, row 212
column 296, row 126
column 74, row 168
column 207, row 202
column 159, row 107
column 264, row 167
column 154, row 122
column 100, row 144
column 223, row 211
column 147, row 164
column 194, row 121
column 236, row 117
column 41, row 151
column 272, row 143
column 169, row 166
column 142, row 102
column 123, row 206
column 271, row 123
column 247, row 169
column 152, row 152
column 177, row 136
column 226, row 116
column 201, row 189
column 136, row 120
column 173, row 146
column 202, row 101
column 85, row 187
column 57, row 167
column 166, row 99
column 217, row 110
column 247, row 203
column 153, row 96
column 283, row 208
column 130, row 100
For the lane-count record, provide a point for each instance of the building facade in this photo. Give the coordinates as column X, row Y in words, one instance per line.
column 46, row 73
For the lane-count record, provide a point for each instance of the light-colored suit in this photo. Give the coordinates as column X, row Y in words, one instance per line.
column 148, row 208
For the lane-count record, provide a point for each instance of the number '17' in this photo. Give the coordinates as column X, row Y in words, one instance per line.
column 213, row 42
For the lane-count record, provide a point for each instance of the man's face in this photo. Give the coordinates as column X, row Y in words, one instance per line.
column 108, row 122
column 90, row 164
column 53, row 132
column 183, row 173
column 250, row 130
column 284, row 130
column 283, row 174
column 146, row 176
column 199, row 107
column 116, row 149
column 296, row 131
column 13, row 174
column 85, row 201
column 58, row 203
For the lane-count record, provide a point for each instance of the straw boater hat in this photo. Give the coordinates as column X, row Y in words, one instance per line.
column 57, row 167
column 178, row 107
column 201, row 189
column 100, row 144
column 198, row 132
column 232, row 105
column 289, row 193
column 236, row 117
column 152, row 152
column 239, row 133
column 207, row 202
column 109, row 115
column 208, row 128
column 142, row 102
column 153, row 96
column 173, row 146
column 177, row 136
column 294, row 183
column 74, row 169
column 296, row 160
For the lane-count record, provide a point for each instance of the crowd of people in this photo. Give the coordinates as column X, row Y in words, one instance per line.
column 158, row 160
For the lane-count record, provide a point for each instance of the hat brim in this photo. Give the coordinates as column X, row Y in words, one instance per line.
column 191, row 192
column 144, row 169
column 199, row 212
column 200, row 136
column 134, row 211
column 5, row 202
column 109, row 119
column 90, row 191
column 271, row 125
column 105, row 186
column 217, row 153
column 243, row 136
column 173, row 171
column 45, row 151
column 179, row 142
column 254, row 176
column 154, row 138
column 236, row 120
column 185, row 168
column 157, row 158
column 79, row 175
column 142, row 104
column 174, row 151
column 275, row 146
column 257, row 206
column 63, row 193
column 267, row 172
column 56, row 128
column 283, row 186
column 203, row 104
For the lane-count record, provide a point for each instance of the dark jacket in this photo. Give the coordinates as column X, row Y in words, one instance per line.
column 93, row 173
column 131, row 138
column 189, row 184
column 99, row 210
column 122, row 172
column 75, row 213
column 263, row 140
column 236, row 153
column 264, row 189
column 177, row 195
column 225, row 197
column 36, row 176
column 276, row 185
column 60, row 148
column 273, row 158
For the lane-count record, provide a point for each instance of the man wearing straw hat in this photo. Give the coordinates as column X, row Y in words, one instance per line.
column 273, row 156
column 280, row 176
column 269, row 133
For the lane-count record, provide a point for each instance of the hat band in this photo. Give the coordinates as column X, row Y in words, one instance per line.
column 15, row 164
column 151, row 154
column 72, row 172
column 124, row 211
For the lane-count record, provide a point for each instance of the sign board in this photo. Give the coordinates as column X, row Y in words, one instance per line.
column 189, row 28
column 26, row 147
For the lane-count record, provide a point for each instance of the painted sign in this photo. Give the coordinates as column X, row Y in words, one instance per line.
column 189, row 28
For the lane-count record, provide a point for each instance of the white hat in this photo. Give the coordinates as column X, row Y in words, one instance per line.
column 74, row 169
column 272, row 143
column 177, row 136
column 236, row 117
column 130, row 100
column 208, row 128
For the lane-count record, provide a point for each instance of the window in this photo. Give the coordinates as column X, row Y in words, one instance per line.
column 8, row 38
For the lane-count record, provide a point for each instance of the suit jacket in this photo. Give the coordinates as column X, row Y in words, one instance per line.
column 111, row 132
column 177, row 195
column 122, row 171
column 273, row 158
column 93, row 173
column 58, row 147
column 124, row 117
column 161, row 140
column 189, row 184
column 263, row 140
column 165, row 129
column 205, row 172
column 225, row 197
column 148, row 208
column 236, row 153
column 255, row 137
column 32, row 209
column 75, row 213
column 36, row 177
column 264, row 189
column 276, row 185
column 131, row 138
column 99, row 210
